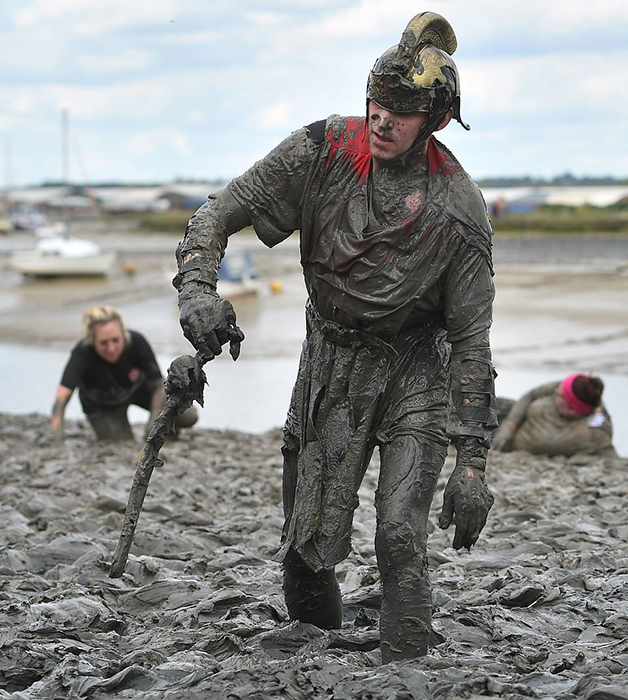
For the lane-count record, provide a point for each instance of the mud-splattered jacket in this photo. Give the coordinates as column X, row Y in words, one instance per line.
column 435, row 266
column 378, row 290
column 540, row 428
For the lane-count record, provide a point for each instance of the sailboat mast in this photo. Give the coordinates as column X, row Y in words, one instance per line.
column 65, row 164
column 8, row 174
column 65, row 147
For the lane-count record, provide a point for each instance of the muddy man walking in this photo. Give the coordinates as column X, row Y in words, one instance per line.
column 396, row 254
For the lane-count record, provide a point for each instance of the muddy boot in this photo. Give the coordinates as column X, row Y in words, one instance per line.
column 405, row 637
column 405, row 623
column 111, row 426
column 312, row 597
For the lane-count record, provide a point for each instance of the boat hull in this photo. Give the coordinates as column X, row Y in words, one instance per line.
column 34, row 263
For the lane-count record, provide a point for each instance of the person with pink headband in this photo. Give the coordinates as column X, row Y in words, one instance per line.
column 589, row 389
column 559, row 418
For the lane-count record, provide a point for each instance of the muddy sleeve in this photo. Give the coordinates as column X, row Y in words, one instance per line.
column 271, row 191
column 517, row 413
column 146, row 357
column 74, row 369
column 469, row 294
column 203, row 245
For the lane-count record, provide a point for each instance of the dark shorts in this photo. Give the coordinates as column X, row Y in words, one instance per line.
column 109, row 418
column 137, row 395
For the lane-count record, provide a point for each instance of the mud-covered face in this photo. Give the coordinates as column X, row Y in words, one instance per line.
column 392, row 133
column 109, row 341
column 563, row 407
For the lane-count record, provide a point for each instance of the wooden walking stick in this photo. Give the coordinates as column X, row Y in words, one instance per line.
column 184, row 385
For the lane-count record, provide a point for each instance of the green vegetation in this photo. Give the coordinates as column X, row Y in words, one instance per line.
column 564, row 220
column 167, row 222
column 172, row 221
column 565, row 179
column 550, row 219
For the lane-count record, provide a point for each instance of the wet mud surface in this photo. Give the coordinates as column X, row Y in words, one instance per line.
column 538, row 609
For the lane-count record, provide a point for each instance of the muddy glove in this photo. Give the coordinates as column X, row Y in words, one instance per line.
column 502, row 442
column 209, row 322
column 467, row 499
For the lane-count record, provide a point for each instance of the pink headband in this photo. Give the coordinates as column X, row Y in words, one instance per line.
column 573, row 401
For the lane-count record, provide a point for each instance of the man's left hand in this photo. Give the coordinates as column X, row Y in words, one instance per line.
column 466, row 502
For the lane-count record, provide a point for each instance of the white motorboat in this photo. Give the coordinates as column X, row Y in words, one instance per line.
column 60, row 255
column 237, row 275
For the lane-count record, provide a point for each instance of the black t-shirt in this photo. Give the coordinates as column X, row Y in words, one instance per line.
column 110, row 383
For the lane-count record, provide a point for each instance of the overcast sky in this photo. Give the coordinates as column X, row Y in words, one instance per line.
column 163, row 89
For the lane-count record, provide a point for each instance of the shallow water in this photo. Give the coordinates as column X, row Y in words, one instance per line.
column 251, row 394
column 549, row 320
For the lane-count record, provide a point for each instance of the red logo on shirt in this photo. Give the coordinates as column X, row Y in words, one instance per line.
column 134, row 373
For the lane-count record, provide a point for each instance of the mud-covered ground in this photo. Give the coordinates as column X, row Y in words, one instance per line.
column 539, row 608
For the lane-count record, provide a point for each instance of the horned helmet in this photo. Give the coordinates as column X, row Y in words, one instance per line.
column 418, row 74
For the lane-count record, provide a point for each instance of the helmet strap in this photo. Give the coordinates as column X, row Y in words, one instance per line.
column 429, row 128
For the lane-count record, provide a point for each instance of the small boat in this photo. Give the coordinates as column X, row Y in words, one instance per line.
column 61, row 255
column 237, row 275
column 57, row 253
column 26, row 218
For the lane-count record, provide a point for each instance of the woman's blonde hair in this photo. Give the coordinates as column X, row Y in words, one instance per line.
column 98, row 315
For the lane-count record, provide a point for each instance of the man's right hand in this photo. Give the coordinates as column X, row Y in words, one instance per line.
column 209, row 322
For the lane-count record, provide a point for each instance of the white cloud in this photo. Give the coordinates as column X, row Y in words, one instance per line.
column 128, row 60
column 563, row 16
column 132, row 100
column 266, row 19
column 188, row 38
column 491, row 20
column 196, row 117
column 155, row 140
column 89, row 18
column 275, row 116
column 547, row 84
column 23, row 103
column 367, row 18
column 195, row 85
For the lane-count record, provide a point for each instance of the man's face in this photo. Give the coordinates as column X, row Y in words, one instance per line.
column 392, row 133
column 109, row 341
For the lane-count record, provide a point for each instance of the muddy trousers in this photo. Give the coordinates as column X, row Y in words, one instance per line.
column 113, row 425
column 409, row 473
column 408, row 477
column 311, row 596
